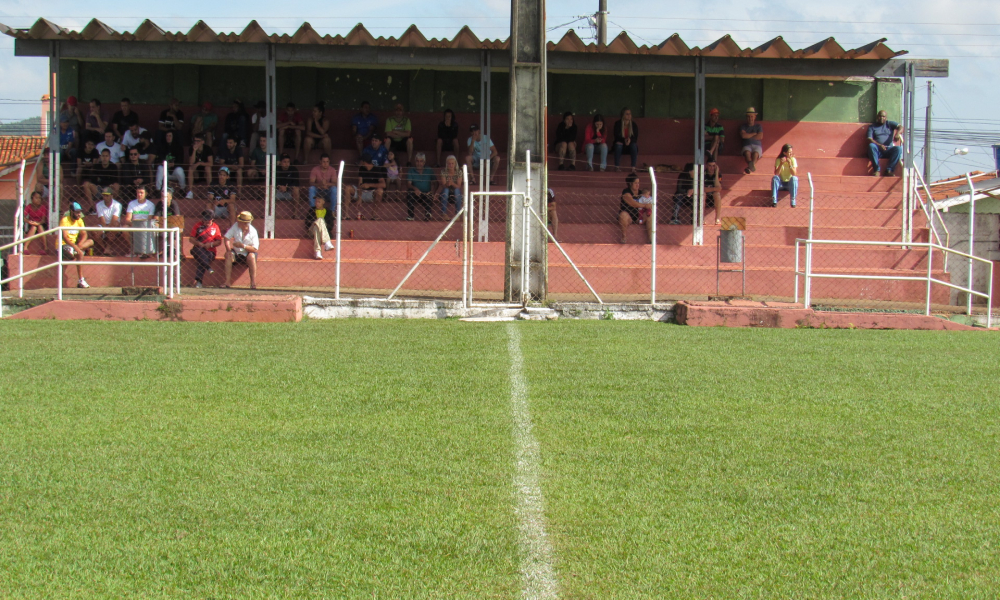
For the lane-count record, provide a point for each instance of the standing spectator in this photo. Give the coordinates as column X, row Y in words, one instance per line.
column 171, row 119
column 231, row 155
column 205, row 238
column 237, row 124
column 205, row 123
column 322, row 182
column 881, row 135
column 286, row 183
column 95, row 123
column 85, row 162
column 67, row 141
column 553, row 215
column 132, row 136
column 447, row 138
column 753, row 136
column 450, row 180
column 122, row 120
column 420, row 186
column 115, row 150
column 109, row 214
column 478, row 151
column 201, row 159
column 629, row 207
column 290, row 129
column 398, row 138
column 134, row 172
column 319, row 222
column 70, row 109
column 242, row 245
column 626, row 134
column 364, row 125
column 257, row 165
column 566, row 132
column 36, row 219
column 596, row 137
column 104, row 175
column 171, row 151
column 140, row 214
column 715, row 133
column 223, row 196
column 259, row 123
column 75, row 242
column 786, row 170
column 318, row 130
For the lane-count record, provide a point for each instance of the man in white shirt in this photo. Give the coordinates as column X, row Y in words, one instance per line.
column 242, row 245
column 131, row 138
column 138, row 213
column 116, row 149
column 109, row 213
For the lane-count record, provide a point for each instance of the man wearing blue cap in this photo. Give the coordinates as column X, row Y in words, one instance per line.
column 75, row 242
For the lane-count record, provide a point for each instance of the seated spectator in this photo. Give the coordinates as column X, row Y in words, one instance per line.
column 629, row 207
column 201, row 161
column 364, row 125
column 371, row 182
column 420, row 186
column 477, row 146
column 753, row 136
column 319, row 223
column 223, row 196
column 566, row 141
column 450, row 181
column 115, row 150
column 36, row 219
column 75, row 240
column 596, row 138
column 171, row 209
column 713, row 183
column 205, row 123
column 553, row 216
column 95, row 123
column 237, row 124
column 626, row 137
column 171, row 119
column 70, row 110
column 67, row 141
column 684, row 192
column 286, row 182
column 140, row 214
column 171, row 151
column 242, row 245
column 257, row 165
column 231, row 155
column 85, row 162
column 715, row 134
column 103, row 175
column 786, row 170
column 398, row 135
column 290, row 128
column 323, row 182
column 134, row 173
column 447, row 138
column 123, row 119
column 109, row 214
column 375, row 155
column 881, row 144
column 259, row 122
column 147, row 153
column 132, row 136
column 318, row 130
column 205, row 238
column 392, row 171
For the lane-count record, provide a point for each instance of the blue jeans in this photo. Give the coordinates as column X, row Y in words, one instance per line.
column 330, row 194
column 893, row 153
column 633, row 149
column 456, row 194
column 604, row 155
column 792, row 186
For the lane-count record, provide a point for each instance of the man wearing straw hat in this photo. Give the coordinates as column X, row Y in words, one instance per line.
column 752, row 134
column 242, row 245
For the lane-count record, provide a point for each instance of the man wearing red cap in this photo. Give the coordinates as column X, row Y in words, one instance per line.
column 715, row 134
column 205, row 123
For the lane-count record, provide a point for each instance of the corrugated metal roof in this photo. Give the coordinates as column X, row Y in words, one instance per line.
column 15, row 148
column 954, row 191
column 464, row 39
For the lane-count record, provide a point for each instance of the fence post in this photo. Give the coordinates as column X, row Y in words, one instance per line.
column 340, row 197
column 652, row 275
column 930, row 254
column 19, row 229
column 808, row 285
column 466, row 235
column 526, row 243
column 972, row 239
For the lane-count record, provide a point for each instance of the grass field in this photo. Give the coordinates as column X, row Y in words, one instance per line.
column 378, row 459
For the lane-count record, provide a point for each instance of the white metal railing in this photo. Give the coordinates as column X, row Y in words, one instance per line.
column 931, row 211
column 652, row 250
column 808, row 274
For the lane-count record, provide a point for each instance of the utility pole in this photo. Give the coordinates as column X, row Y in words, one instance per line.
column 927, row 135
column 602, row 23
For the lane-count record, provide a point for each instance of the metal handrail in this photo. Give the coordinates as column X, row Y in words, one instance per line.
column 929, row 214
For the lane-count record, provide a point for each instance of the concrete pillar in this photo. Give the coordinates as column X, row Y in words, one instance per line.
column 528, row 108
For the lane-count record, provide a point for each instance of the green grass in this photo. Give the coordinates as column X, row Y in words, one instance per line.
column 374, row 459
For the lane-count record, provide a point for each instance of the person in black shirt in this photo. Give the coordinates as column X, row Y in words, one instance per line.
column 237, row 124
column 171, row 119
column 123, row 119
column 684, row 192
column 447, row 136
column 147, row 153
column 134, row 172
column 104, row 174
column 231, row 155
column 371, row 186
column 171, row 151
column 202, row 158
column 286, row 181
column 86, row 160
column 630, row 208
column 222, row 196
column 566, row 141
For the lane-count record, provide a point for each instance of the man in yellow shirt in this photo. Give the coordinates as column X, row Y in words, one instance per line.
column 75, row 241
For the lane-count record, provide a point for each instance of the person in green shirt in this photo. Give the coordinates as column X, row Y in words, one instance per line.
column 715, row 134
column 420, row 184
column 397, row 135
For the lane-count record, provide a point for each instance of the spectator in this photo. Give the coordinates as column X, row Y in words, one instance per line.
column 109, row 214
column 319, row 223
column 684, row 192
column 392, row 179
column 223, row 196
column 375, row 155
column 134, row 172
column 566, row 141
column 36, row 219
column 242, row 245
column 123, row 119
column 398, row 138
column 132, row 136
column 259, row 123
column 371, row 180
column 147, row 153
column 172, row 209
column 140, row 214
column 205, row 123
column 67, row 141
column 237, row 124
column 715, row 134
column 881, row 136
column 553, row 216
column 317, row 130
column 447, row 138
column 115, row 150
column 323, row 182
column 290, row 128
column 171, row 119
column 476, row 145
column 205, row 238
column 420, row 187
column 596, row 137
column 104, row 174
column 257, row 165
column 629, row 206
column 231, row 155
column 201, row 159
column 286, row 182
column 364, row 125
column 786, row 170
column 171, row 151
column 85, row 162
column 75, row 241
column 70, row 109
column 752, row 135
column 450, row 181
column 626, row 134
column 95, row 123
column 713, row 183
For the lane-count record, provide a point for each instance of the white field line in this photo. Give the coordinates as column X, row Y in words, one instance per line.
column 537, row 573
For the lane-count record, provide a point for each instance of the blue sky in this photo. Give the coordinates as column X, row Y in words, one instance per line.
column 964, row 31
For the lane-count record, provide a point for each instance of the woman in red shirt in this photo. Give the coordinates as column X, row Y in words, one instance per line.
column 36, row 215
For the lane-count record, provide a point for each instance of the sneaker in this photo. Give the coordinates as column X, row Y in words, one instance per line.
column 875, row 173
column 211, row 270
column 675, row 221
column 562, row 167
column 409, row 218
column 190, row 195
column 82, row 283
column 571, row 167
column 198, row 285
column 774, row 204
column 328, row 246
column 793, row 203
column 590, row 167
column 319, row 255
